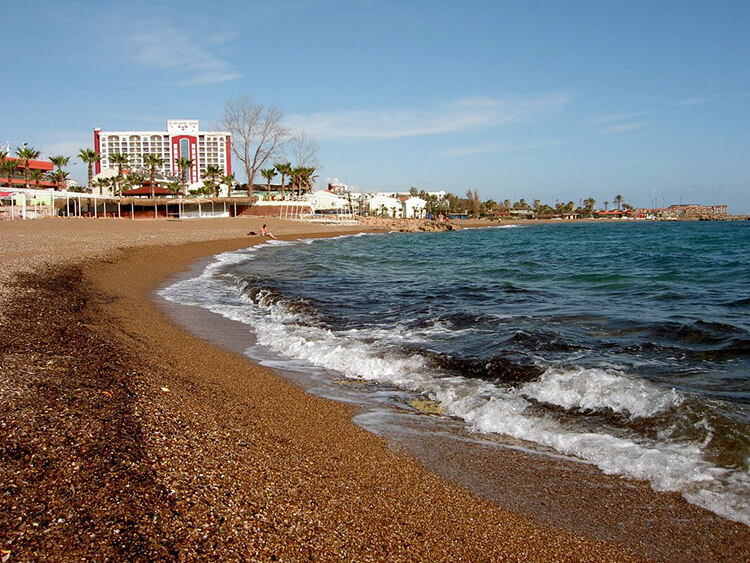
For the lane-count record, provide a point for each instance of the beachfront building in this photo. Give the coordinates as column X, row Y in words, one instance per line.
column 414, row 208
column 400, row 207
column 182, row 139
column 327, row 201
column 17, row 178
column 384, row 206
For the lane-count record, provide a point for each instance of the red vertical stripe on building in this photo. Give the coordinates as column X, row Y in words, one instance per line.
column 229, row 155
column 97, row 150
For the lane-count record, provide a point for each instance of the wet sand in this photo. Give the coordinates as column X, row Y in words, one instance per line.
column 126, row 437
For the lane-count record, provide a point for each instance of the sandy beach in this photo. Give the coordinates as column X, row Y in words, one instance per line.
column 126, row 437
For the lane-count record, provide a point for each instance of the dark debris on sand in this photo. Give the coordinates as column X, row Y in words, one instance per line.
column 74, row 478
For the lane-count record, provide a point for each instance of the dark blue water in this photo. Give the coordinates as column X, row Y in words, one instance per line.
column 623, row 344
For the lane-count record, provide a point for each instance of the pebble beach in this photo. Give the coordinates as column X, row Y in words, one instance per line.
column 126, row 437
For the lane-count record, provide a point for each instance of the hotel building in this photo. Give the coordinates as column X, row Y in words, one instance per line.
column 182, row 138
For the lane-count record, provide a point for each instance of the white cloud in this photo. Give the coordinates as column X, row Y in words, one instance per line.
column 623, row 122
column 692, row 101
column 625, row 127
column 66, row 143
column 188, row 63
column 496, row 148
column 623, row 116
column 458, row 115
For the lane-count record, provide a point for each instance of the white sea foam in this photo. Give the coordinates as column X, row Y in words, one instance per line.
column 485, row 406
column 597, row 389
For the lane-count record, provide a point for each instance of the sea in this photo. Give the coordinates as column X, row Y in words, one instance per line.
column 624, row 345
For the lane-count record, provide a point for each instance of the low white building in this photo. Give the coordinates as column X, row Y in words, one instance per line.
column 397, row 207
column 385, row 206
column 324, row 200
column 415, row 208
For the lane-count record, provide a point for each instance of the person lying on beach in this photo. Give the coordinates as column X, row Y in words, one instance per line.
column 264, row 232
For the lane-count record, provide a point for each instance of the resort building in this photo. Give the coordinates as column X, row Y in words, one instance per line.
column 182, row 139
column 17, row 179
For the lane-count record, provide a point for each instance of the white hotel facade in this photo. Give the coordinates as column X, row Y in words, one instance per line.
column 183, row 138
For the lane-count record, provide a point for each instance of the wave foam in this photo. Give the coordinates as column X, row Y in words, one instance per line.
column 486, row 406
column 596, row 389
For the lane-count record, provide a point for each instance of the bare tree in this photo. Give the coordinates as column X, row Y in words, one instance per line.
column 304, row 150
column 257, row 134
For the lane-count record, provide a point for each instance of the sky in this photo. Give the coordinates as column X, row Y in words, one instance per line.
column 557, row 100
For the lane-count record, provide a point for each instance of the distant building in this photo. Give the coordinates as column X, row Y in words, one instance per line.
column 17, row 180
column 181, row 139
column 696, row 210
column 384, row 206
column 337, row 187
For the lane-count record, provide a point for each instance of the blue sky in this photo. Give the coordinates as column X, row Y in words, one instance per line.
column 549, row 100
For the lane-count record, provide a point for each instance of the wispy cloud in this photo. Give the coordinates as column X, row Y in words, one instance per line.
column 465, row 114
column 66, row 143
column 188, row 62
column 624, row 122
column 693, row 101
column 497, row 148
column 625, row 127
column 623, row 116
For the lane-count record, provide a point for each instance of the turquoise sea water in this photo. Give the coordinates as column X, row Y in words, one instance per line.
column 626, row 345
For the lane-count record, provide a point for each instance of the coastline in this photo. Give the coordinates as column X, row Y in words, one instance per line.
column 230, row 460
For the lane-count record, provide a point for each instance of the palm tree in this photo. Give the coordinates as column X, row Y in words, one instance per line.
column 59, row 162
column 285, row 169
column 268, row 174
column 618, row 201
column 134, row 179
column 213, row 171
column 26, row 154
column 229, row 181
column 308, row 177
column 119, row 159
column 295, row 175
column 104, row 183
column 36, row 176
column 59, row 177
column 153, row 161
column 606, row 203
column 89, row 157
column 588, row 205
column 9, row 169
column 174, row 187
column 184, row 165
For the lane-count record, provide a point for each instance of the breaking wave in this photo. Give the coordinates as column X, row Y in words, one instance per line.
column 624, row 424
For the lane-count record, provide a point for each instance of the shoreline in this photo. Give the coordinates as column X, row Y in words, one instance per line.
column 507, row 472
column 234, row 460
